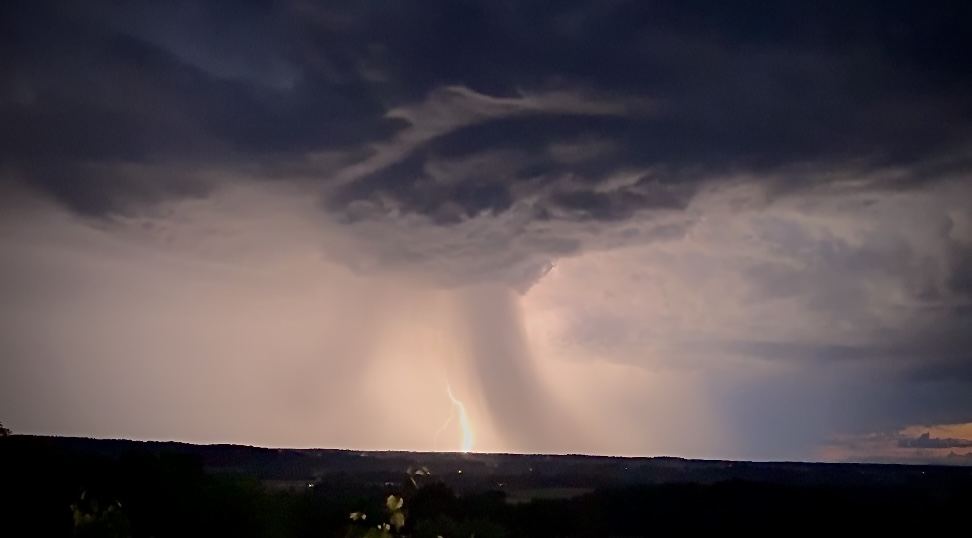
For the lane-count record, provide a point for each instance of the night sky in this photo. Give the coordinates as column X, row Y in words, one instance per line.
column 698, row 228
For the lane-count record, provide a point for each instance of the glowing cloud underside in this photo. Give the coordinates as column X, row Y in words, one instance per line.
column 467, row 437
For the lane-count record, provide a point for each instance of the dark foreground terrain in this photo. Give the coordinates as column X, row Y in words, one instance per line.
column 84, row 487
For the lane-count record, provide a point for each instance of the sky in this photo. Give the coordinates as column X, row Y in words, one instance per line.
column 706, row 229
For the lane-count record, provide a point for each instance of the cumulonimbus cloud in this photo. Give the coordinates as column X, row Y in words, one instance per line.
column 766, row 225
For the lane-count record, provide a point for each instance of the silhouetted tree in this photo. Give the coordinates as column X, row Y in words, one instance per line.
column 4, row 432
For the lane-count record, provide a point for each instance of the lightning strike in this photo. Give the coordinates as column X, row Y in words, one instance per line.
column 467, row 437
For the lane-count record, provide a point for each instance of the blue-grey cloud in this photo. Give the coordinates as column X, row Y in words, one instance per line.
column 780, row 190
column 266, row 83
column 925, row 440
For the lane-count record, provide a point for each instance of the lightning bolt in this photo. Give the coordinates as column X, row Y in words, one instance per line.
column 467, row 436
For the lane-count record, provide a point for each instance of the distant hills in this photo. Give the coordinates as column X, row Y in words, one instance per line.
column 474, row 471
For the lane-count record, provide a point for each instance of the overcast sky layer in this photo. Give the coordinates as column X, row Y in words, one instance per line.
column 701, row 229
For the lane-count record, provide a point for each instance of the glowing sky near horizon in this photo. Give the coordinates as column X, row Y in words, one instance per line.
column 626, row 228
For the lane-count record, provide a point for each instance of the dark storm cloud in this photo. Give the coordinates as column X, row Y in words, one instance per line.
column 925, row 440
column 746, row 87
column 80, row 91
column 775, row 186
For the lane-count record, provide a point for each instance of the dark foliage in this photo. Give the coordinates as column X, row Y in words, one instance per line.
column 145, row 493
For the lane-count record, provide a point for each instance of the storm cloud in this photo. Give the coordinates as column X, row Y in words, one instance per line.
column 925, row 440
column 632, row 227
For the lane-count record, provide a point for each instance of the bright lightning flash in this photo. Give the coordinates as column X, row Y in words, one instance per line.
column 467, row 437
